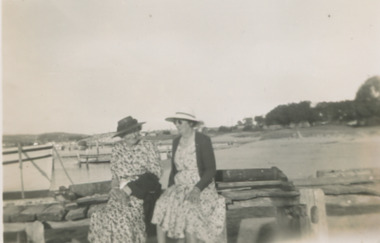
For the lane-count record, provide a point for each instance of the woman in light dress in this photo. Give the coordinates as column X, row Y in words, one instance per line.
column 190, row 208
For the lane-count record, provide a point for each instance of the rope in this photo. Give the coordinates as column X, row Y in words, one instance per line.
column 59, row 158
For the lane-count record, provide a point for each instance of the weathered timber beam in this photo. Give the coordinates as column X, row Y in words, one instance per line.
column 68, row 224
column 369, row 189
column 223, row 185
column 14, row 227
column 95, row 199
column 353, row 200
column 248, row 174
column 264, row 202
column 321, row 181
column 352, row 204
column 249, row 194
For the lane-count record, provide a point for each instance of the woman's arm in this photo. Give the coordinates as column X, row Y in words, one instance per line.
column 208, row 161
column 173, row 169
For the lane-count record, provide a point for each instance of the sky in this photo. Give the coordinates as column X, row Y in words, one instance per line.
column 80, row 66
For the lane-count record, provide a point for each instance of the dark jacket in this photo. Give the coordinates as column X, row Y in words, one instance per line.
column 148, row 188
column 205, row 160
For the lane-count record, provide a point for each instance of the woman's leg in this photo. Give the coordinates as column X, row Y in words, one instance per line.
column 161, row 235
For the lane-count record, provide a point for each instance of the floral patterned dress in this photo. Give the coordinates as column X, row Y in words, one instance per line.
column 124, row 222
column 176, row 215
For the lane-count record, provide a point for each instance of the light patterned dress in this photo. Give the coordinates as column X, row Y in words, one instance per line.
column 124, row 222
column 176, row 215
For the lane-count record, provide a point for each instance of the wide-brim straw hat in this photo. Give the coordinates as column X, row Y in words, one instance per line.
column 181, row 115
column 127, row 125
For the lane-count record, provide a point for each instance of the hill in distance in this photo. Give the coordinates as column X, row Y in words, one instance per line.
column 27, row 139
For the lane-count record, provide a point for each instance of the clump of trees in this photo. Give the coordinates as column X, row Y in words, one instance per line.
column 365, row 109
column 362, row 111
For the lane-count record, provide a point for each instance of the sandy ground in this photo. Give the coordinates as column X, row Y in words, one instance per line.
column 300, row 156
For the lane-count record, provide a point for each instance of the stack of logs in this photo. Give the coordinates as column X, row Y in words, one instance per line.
column 300, row 207
column 68, row 209
column 253, row 193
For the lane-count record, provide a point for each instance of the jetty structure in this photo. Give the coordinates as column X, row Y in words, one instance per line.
column 298, row 209
column 22, row 165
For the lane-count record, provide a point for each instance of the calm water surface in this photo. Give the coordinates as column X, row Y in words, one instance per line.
column 79, row 173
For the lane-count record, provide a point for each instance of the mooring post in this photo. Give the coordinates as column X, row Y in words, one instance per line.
column 21, row 170
column 314, row 199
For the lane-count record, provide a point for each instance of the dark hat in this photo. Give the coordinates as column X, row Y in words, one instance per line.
column 127, row 125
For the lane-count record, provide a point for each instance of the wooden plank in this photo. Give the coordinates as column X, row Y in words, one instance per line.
column 321, row 181
column 29, row 214
column 263, row 202
column 78, row 213
column 13, row 227
column 27, row 159
column 95, row 199
column 224, row 185
column 53, row 213
column 88, row 189
column 71, row 206
column 367, row 189
column 353, row 200
column 260, row 174
column 30, row 201
column 10, row 212
column 27, row 149
column 68, row 224
column 352, row 205
column 249, row 194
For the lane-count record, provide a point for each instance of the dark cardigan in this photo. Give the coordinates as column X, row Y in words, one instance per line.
column 205, row 160
column 148, row 188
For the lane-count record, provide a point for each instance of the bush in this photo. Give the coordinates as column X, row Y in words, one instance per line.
column 225, row 129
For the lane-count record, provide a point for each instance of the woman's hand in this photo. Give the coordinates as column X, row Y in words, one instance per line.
column 115, row 193
column 119, row 195
column 194, row 196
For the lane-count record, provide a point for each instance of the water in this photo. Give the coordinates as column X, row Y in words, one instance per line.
column 79, row 173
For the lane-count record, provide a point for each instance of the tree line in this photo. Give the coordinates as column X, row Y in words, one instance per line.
column 364, row 110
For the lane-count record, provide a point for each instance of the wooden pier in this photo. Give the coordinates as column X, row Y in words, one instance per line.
column 284, row 209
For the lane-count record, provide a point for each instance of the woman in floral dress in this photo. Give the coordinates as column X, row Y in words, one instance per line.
column 190, row 208
column 135, row 173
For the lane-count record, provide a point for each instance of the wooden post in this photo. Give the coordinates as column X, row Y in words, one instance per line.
column 21, row 171
column 87, row 158
column 97, row 150
column 64, row 169
column 35, row 232
column 314, row 199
